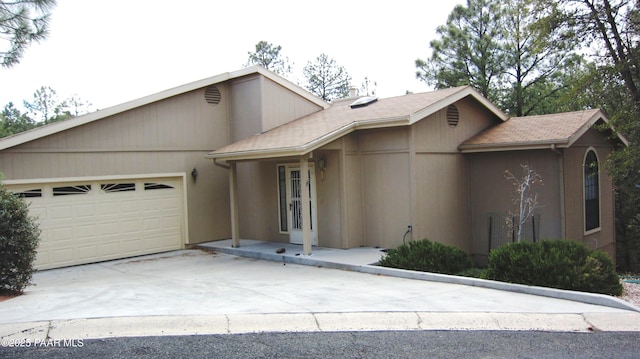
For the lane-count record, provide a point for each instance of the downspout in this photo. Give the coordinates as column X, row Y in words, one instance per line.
column 563, row 229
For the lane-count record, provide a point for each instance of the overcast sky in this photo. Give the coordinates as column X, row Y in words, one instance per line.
column 109, row 52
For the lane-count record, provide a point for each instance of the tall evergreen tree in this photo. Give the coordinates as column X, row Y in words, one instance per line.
column 612, row 30
column 21, row 23
column 268, row 56
column 12, row 121
column 467, row 51
column 46, row 106
column 326, row 79
column 504, row 50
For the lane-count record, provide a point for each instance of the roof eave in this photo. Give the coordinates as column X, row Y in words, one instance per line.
column 514, row 146
column 598, row 115
column 283, row 151
column 283, row 82
column 383, row 122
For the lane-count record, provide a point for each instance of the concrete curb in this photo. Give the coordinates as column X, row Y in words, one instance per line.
column 583, row 297
column 97, row 328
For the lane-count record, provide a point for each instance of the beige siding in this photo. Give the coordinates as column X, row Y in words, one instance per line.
column 245, row 106
column 386, row 198
column 280, row 105
column 353, row 194
column 441, row 175
column 433, row 134
column 384, row 140
column 170, row 136
column 354, row 211
column 386, row 195
column 259, row 104
column 492, row 192
column 329, row 201
column 258, row 201
column 442, row 200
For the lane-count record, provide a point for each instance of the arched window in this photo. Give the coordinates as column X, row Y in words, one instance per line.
column 591, row 191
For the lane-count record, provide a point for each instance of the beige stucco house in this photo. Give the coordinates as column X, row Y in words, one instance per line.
column 250, row 155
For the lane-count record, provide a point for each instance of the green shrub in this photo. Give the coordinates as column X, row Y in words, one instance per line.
column 562, row 264
column 474, row 272
column 427, row 256
column 19, row 237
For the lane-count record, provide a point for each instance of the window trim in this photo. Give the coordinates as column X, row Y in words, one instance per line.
column 287, row 166
column 598, row 228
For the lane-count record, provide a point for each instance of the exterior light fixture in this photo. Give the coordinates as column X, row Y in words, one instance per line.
column 322, row 164
column 194, row 174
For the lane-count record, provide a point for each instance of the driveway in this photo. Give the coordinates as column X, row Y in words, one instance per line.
column 194, row 291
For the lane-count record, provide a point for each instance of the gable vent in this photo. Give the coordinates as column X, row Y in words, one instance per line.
column 212, row 95
column 452, row 116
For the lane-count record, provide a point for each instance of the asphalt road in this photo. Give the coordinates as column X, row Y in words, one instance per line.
column 383, row 344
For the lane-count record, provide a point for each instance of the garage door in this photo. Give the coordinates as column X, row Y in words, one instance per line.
column 90, row 221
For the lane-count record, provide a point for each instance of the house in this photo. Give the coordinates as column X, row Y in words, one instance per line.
column 250, row 155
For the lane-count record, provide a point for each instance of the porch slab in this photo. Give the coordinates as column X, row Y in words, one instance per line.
column 327, row 257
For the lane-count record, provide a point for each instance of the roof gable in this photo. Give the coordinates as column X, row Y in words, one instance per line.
column 531, row 132
column 40, row 132
column 315, row 130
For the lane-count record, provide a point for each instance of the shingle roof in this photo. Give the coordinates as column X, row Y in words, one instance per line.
column 310, row 132
column 528, row 132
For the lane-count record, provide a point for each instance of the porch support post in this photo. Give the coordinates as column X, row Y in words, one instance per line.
column 233, row 194
column 306, row 210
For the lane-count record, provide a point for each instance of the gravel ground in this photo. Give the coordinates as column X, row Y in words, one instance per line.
column 631, row 293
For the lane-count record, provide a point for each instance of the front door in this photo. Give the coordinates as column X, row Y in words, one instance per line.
column 296, row 184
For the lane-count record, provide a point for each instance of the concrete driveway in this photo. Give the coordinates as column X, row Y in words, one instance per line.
column 198, row 292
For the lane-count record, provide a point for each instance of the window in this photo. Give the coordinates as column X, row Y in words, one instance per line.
column 118, row 187
column 32, row 193
column 71, row 190
column 591, row 191
column 153, row 186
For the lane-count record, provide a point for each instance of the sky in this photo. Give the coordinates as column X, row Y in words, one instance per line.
column 110, row 52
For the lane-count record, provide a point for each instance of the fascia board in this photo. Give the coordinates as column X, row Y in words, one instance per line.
column 57, row 127
column 513, row 146
column 285, row 83
column 286, row 151
column 312, row 145
column 598, row 115
column 586, row 126
column 383, row 122
column 453, row 98
column 257, row 154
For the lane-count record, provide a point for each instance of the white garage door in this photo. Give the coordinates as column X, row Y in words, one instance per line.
column 90, row 221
